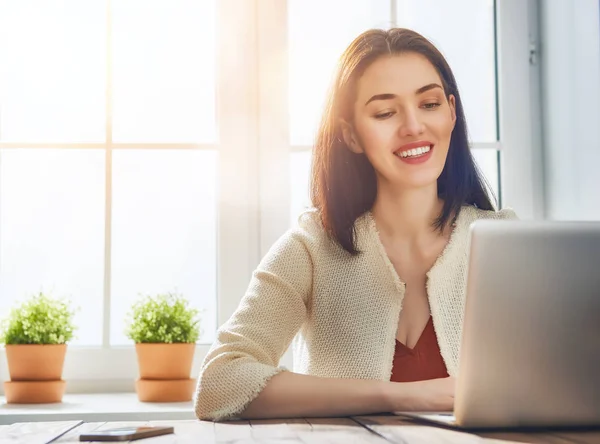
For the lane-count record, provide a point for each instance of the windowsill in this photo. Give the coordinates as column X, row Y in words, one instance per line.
column 95, row 408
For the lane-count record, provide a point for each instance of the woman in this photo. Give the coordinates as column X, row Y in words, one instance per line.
column 371, row 283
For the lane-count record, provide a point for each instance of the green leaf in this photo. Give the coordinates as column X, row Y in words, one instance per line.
column 39, row 320
column 163, row 318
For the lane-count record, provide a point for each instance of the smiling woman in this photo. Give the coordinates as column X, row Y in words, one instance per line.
column 379, row 262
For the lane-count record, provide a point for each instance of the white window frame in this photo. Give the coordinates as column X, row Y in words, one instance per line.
column 114, row 368
column 254, row 148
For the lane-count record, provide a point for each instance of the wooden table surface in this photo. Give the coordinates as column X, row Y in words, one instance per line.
column 380, row 429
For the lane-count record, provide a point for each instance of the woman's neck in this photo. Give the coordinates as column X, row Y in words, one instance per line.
column 407, row 215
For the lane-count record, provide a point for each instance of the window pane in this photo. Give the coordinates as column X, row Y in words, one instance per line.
column 164, row 231
column 486, row 159
column 319, row 31
column 164, row 71
column 463, row 30
column 52, row 70
column 52, row 231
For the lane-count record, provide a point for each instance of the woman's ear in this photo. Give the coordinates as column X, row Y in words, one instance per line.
column 452, row 103
column 350, row 137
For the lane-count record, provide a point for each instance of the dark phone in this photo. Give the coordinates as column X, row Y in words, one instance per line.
column 125, row 433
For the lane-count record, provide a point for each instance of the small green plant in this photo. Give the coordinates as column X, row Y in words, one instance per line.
column 164, row 318
column 39, row 320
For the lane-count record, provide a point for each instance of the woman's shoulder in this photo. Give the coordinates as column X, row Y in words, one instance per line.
column 307, row 231
column 309, row 219
column 470, row 213
column 304, row 243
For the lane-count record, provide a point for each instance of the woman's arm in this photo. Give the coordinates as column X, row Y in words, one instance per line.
column 248, row 347
column 295, row 395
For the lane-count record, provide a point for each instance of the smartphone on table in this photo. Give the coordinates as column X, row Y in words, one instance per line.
column 125, row 433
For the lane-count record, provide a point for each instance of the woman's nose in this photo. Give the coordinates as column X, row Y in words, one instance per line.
column 411, row 124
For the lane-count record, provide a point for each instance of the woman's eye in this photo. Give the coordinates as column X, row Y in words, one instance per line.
column 431, row 105
column 384, row 115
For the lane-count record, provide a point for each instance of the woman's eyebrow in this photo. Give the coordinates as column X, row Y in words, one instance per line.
column 426, row 88
column 389, row 96
column 386, row 96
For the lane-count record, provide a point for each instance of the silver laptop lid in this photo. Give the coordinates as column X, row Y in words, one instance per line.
column 530, row 354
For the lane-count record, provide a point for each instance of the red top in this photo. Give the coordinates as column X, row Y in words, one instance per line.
column 424, row 361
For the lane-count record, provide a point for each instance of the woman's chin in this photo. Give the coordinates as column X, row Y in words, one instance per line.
column 418, row 180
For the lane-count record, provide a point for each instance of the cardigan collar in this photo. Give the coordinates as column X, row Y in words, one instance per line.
column 452, row 255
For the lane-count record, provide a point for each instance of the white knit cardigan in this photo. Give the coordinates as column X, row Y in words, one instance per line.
column 342, row 310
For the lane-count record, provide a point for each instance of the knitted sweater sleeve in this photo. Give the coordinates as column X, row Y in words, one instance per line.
column 249, row 345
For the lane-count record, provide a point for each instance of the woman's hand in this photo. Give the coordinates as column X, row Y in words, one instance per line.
column 423, row 396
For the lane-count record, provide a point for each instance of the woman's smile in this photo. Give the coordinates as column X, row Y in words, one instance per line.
column 415, row 153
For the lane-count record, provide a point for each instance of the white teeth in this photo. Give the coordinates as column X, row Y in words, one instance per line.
column 415, row 151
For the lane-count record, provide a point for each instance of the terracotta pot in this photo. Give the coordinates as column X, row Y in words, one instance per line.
column 34, row 392
column 35, row 362
column 174, row 390
column 165, row 361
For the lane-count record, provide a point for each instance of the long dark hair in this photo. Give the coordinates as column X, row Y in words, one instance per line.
column 343, row 184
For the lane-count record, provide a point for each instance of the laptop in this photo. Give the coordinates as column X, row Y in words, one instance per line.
column 530, row 354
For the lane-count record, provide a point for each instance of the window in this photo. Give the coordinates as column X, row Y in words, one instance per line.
column 119, row 174
column 164, row 145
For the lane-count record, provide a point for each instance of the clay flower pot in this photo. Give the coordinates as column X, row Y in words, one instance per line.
column 165, row 372
column 35, row 372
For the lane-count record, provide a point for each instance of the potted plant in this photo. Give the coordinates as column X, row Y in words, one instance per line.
column 165, row 330
column 35, row 335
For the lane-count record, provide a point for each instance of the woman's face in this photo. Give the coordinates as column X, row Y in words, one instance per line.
column 402, row 120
